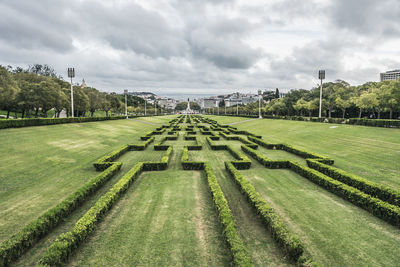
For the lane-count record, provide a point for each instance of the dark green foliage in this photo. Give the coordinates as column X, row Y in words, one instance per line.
column 269, row 163
column 106, row 161
column 16, row 123
column 141, row 146
column 59, row 250
column 376, row 190
column 289, row 242
column 158, row 165
column 377, row 207
column 30, row 234
column 190, row 165
column 238, row 249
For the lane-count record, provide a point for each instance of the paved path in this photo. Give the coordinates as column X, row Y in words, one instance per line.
column 237, row 122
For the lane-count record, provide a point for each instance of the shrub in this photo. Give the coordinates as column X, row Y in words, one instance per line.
column 376, row 190
column 289, row 242
column 238, row 249
column 105, row 162
column 14, row 247
column 190, row 165
column 377, row 207
column 269, row 163
column 158, row 165
column 141, row 146
column 58, row 252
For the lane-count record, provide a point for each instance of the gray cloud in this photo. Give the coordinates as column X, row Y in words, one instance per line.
column 202, row 46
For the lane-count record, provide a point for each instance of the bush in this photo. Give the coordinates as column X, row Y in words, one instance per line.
column 14, row 247
column 238, row 249
column 289, row 242
column 215, row 146
column 269, row 163
column 160, row 165
column 61, row 248
column 377, row 207
column 16, row 123
column 190, row 165
column 242, row 161
column 305, row 154
column 376, row 190
column 106, row 161
column 141, row 146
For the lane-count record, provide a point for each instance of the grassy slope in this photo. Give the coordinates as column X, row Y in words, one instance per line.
column 42, row 165
column 166, row 219
column 333, row 230
column 370, row 152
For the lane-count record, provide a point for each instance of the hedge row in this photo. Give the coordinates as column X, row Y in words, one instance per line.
column 141, row 146
column 58, row 252
column 247, row 142
column 240, row 255
column 16, row 123
column 14, row 247
column 377, row 207
column 289, row 242
column 106, row 161
column 215, row 146
column 197, row 146
column 242, row 161
column 353, row 121
column 158, row 165
column 300, row 152
column 267, row 162
column 374, row 189
column 190, row 165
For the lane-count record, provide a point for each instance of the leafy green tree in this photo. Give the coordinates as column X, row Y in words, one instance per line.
column 8, row 91
column 366, row 101
column 81, row 102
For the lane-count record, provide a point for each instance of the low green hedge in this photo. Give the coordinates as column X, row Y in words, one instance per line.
column 143, row 146
column 190, row 137
column 215, row 146
column 306, row 154
column 269, row 163
column 15, row 246
column 197, row 146
column 158, row 165
column 190, row 165
column 376, row 190
column 289, row 242
column 376, row 123
column 247, row 142
column 240, row 254
column 377, row 207
column 16, row 123
column 265, row 144
column 58, row 252
column 106, row 161
column 242, row 161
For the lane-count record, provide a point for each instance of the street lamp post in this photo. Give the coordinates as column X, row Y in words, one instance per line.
column 155, row 108
column 259, row 104
column 237, row 107
column 126, row 106
column 71, row 74
column 145, row 107
column 321, row 76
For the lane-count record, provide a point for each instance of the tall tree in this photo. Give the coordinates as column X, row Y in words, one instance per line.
column 8, row 91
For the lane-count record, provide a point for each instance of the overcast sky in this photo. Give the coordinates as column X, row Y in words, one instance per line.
column 203, row 46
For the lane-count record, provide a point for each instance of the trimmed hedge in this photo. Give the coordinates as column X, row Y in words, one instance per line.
column 14, row 247
column 190, row 165
column 17, row 123
column 289, row 242
column 240, row 254
column 197, row 146
column 106, row 161
column 58, row 252
column 269, row 163
column 215, row 146
column 158, row 165
column 375, row 123
column 374, row 189
column 143, row 146
column 377, row 207
column 242, row 161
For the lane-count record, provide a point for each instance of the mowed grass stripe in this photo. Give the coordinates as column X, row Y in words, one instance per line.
column 334, row 231
column 165, row 219
column 369, row 152
column 43, row 165
column 257, row 239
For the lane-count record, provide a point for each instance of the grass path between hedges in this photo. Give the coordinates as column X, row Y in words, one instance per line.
column 40, row 166
column 370, row 152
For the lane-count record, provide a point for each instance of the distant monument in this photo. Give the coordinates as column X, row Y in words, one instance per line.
column 188, row 110
column 83, row 85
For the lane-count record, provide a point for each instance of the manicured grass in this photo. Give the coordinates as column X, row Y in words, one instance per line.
column 165, row 219
column 333, row 230
column 370, row 152
column 41, row 166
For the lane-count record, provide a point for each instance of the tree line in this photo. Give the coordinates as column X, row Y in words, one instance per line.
column 33, row 91
column 340, row 99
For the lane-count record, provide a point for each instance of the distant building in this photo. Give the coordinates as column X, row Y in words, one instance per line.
column 390, row 75
column 83, row 85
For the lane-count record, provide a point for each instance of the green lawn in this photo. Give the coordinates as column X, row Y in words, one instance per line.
column 167, row 218
column 370, row 152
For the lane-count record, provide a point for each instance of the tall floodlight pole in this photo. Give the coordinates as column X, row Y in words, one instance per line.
column 259, row 104
column 144, row 106
column 225, row 106
column 321, row 76
column 218, row 106
column 126, row 106
column 71, row 74
column 155, row 107
column 237, row 107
